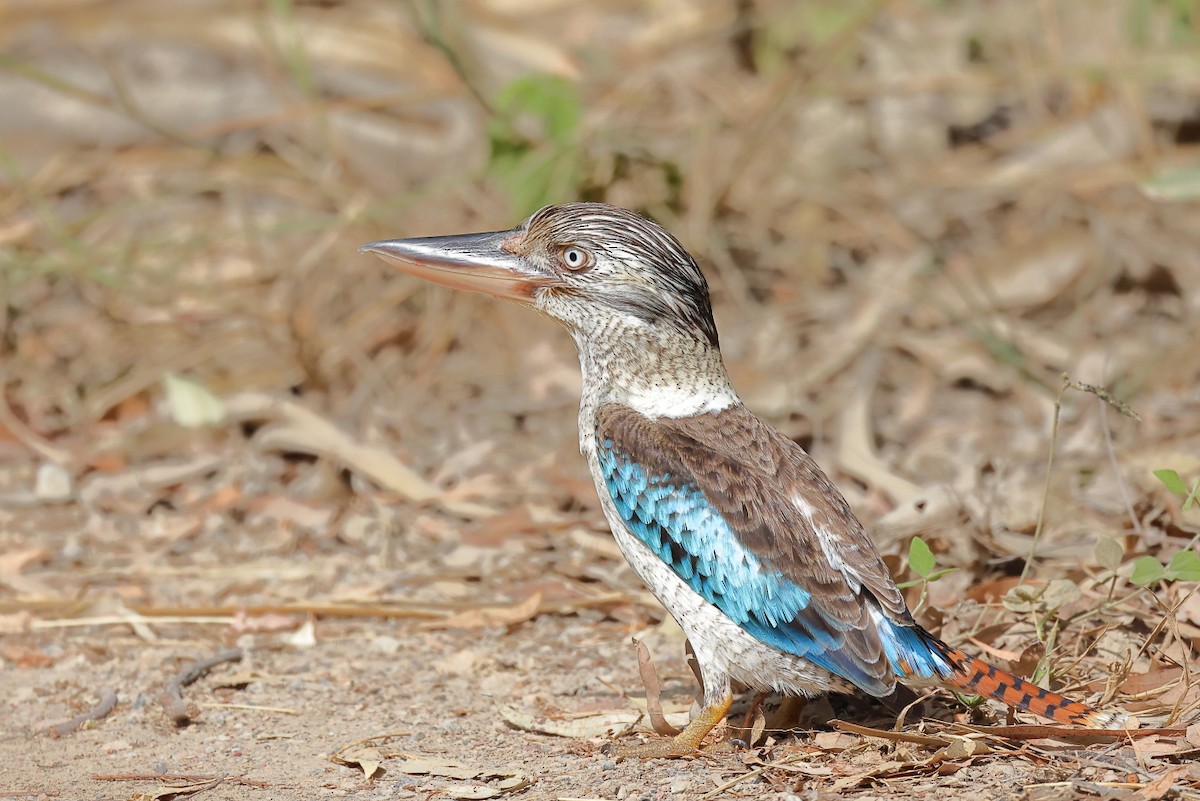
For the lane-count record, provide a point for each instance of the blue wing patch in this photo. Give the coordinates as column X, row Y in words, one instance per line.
column 674, row 519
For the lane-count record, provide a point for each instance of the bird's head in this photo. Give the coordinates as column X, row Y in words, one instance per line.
column 602, row 270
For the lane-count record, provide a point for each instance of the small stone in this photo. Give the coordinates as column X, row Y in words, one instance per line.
column 383, row 644
column 608, row 764
column 53, row 483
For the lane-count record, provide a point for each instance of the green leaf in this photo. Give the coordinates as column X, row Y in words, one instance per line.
column 551, row 99
column 535, row 144
column 920, row 558
column 1184, row 566
column 1146, row 571
column 1172, row 481
column 1109, row 553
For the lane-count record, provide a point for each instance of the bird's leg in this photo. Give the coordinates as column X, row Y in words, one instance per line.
column 687, row 741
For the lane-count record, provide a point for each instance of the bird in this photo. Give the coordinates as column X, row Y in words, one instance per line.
column 732, row 526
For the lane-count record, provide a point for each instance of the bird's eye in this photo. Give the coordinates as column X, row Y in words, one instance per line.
column 574, row 258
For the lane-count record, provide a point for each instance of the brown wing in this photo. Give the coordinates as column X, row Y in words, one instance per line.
column 782, row 509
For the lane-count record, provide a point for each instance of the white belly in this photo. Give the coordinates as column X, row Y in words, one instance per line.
column 723, row 650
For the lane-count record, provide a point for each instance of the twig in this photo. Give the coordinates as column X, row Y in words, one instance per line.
column 27, row 436
column 653, row 691
column 1116, row 468
column 108, row 701
column 172, row 695
column 736, row 780
column 398, row 609
column 283, row 710
column 894, row 736
column 175, row 777
column 372, row 739
column 1041, row 518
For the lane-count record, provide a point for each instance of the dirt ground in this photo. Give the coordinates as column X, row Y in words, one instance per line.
column 950, row 246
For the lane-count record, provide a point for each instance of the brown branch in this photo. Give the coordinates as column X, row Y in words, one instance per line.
column 108, row 700
column 175, row 777
column 172, row 695
column 653, row 691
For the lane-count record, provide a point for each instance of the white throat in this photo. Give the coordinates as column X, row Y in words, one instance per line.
column 680, row 400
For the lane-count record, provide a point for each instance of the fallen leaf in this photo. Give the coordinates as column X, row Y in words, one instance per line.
column 421, row 766
column 962, row 748
column 1161, row 786
column 15, row 623
column 303, row 637
column 22, row 657
column 368, row 758
column 605, row 724
column 190, row 403
column 489, row 617
column 170, row 792
column 834, row 740
column 14, row 562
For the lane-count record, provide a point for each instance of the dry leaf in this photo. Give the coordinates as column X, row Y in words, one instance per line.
column 962, row 748
column 1160, row 787
column 604, row 724
column 368, row 758
column 303, row 637
column 834, row 740
column 490, row 616
column 15, row 623
column 191, row 404
column 171, row 792
column 14, row 562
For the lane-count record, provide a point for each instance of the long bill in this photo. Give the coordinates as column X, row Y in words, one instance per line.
column 475, row 262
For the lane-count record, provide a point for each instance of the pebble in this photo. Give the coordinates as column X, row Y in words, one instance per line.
column 53, row 483
column 384, row 644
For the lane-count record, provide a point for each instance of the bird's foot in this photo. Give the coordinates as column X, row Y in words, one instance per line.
column 660, row 748
column 686, row 743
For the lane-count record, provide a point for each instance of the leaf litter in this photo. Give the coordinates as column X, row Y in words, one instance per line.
column 221, row 428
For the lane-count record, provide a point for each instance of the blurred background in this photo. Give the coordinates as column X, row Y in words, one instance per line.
column 915, row 215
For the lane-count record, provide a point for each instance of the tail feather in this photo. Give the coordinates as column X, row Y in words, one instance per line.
column 976, row 676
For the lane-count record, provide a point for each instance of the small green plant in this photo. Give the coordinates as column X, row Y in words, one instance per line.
column 535, row 145
column 1184, row 565
column 1175, row 483
column 922, row 562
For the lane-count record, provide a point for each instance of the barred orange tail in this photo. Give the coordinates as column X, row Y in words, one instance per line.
column 976, row 676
